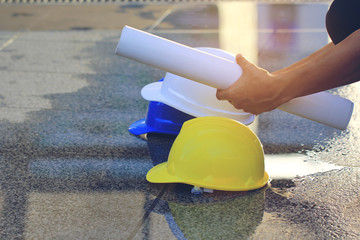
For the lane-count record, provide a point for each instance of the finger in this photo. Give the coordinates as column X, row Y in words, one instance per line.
column 220, row 94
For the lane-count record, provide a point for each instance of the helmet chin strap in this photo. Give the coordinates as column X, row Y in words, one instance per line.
column 199, row 190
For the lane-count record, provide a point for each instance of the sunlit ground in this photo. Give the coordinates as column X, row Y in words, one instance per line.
column 71, row 170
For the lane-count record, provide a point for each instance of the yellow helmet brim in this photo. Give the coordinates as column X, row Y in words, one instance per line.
column 159, row 174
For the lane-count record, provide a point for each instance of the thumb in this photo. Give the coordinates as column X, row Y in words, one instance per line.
column 220, row 95
column 243, row 62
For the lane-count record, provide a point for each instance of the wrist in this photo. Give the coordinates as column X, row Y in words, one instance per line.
column 283, row 92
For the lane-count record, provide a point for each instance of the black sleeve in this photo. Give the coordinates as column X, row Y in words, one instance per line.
column 342, row 19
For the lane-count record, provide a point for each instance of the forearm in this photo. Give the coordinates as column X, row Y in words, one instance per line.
column 258, row 91
column 308, row 59
column 337, row 66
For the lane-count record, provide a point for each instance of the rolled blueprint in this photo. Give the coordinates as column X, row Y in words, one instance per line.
column 221, row 73
column 176, row 58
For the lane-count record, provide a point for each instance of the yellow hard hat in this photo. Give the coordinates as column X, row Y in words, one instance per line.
column 216, row 153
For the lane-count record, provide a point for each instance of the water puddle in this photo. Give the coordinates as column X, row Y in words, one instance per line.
column 289, row 166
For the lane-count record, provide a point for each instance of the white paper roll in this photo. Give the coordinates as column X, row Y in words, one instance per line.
column 178, row 59
column 322, row 107
column 221, row 73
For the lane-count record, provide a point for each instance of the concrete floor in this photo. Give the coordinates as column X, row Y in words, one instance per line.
column 69, row 168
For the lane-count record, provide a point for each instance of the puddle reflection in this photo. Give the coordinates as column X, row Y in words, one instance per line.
column 232, row 219
column 219, row 215
column 289, row 166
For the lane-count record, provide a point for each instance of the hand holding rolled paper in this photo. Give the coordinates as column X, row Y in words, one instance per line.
column 256, row 91
column 221, row 73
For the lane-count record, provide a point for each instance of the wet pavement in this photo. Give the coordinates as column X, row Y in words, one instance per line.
column 69, row 168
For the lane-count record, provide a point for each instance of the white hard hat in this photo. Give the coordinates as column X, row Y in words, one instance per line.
column 194, row 98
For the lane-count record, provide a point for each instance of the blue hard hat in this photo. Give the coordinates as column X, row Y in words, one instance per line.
column 160, row 118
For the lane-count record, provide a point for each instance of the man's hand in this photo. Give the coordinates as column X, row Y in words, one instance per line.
column 256, row 91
